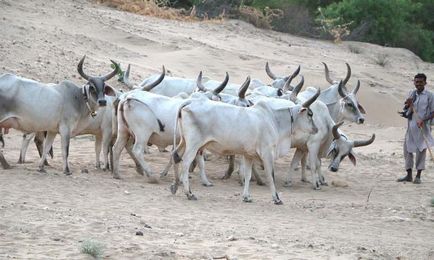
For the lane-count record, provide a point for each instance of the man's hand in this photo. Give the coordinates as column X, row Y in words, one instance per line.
column 419, row 123
column 409, row 102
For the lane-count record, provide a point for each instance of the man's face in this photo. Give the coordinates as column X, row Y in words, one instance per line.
column 419, row 83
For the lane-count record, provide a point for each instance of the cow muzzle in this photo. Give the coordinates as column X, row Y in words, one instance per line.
column 102, row 102
column 361, row 120
column 333, row 168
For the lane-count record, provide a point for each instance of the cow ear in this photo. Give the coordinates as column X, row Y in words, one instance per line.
column 109, row 91
column 362, row 110
column 302, row 109
column 352, row 158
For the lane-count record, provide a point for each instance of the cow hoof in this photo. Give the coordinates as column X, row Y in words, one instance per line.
column 278, row 202
column 163, row 174
column 208, row 184
column 173, row 188
column 42, row 170
column 152, row 180
column 317, row 187
column 304, row 180
column 247, row 199
column 117, row 177
column 67, row 173
column 140, row 171
column 324, row 184
column 191, row 196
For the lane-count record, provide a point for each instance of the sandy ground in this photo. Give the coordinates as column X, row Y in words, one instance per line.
column 49, row 216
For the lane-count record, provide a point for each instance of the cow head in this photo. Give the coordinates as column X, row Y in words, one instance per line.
column 342, row 147
column 213, row 94
column 351, row 110
column 95, row 89
column 279, row 82
column 304, row 119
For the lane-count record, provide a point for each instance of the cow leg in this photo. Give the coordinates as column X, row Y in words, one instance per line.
column 106, row 136
column 303, row 167
column 139, row 153
column 187, row 159
column 24, row 146
column 201, row 163
column 175, row 158
column 294, row 163
column 65, row 135
column 314, row 165
column 167, row 168
column 129, row 148
column 121, row 142
column 231, row 168
column 39, row 142
column 98, row 142
column 48, row 142
column 3, row 161
column 268, row 162
column 246, row 169
column 322, row 180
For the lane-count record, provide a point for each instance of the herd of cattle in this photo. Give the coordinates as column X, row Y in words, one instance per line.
column 255, row 121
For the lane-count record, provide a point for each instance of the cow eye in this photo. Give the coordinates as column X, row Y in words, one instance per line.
column 309, row 113
column 350, row 104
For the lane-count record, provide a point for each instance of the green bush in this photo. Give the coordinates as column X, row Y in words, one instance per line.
column 386, row 22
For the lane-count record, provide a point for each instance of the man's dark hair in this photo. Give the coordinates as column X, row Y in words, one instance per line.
column 420, row 76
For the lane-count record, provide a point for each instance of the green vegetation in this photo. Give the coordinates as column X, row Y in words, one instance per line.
column 92, row 248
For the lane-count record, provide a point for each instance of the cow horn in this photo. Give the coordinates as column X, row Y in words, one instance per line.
column 296, row 90
column 199, row 83
column 223, row 85
column 294, row 74
column 327, row 73
column 365, row 142
column 156, row 82
column 269, row 73
column 80, row 69
column 357, row 87
column 243, row 88
column 126, row 77
column 335, row 132
column 309, row 102
column 341, row 89
column 348, row 73
column 111, row 74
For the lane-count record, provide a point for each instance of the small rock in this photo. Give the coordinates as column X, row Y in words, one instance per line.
column 127, row 192
column 338, row 183
column 310, row 246
column 139, row 233
column 147, row 226
column 274, row 246
column 179, row 234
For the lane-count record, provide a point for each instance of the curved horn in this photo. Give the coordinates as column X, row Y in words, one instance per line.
column 294, row 74
column 341, row 89
column 296, row 90
column 222, row 86
column 347, row 77
column 357, row 87
column 155, row 83
column 80, row 69
column 199, row 83
column 243, row 88
column 309, row 102
column 111, row 74
column 269, row 73
column 327, row 73
column 365, row 142
column 335, row 132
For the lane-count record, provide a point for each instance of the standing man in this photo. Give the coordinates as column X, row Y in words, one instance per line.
column 419, row 110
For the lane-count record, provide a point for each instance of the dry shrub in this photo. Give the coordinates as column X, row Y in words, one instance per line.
column 157, row 8
column 296, row 19
column 257, row 18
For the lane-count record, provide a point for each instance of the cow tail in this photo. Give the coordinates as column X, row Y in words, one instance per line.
column 175, row 155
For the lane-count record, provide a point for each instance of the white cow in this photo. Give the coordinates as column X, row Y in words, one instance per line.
column 64, row 108
column 261, row 132
column 150, row 118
